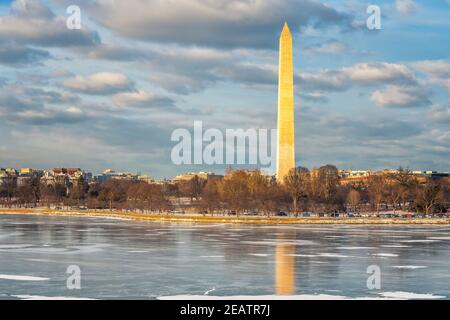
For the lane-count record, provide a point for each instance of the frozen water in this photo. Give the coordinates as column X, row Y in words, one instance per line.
column 146, row 260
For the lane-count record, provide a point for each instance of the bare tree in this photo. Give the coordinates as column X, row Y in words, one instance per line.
column 235, row 191
column 296, row 184
column 429, row 196
column 375, row 188
column 210, row 197
column 192, row 188
column 354, row 199
column 406, row 186
column 8, row 189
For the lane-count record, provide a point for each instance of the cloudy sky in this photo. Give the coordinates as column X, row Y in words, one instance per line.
column 110, row 95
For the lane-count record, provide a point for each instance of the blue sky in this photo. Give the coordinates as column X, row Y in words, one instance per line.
column 110, row 95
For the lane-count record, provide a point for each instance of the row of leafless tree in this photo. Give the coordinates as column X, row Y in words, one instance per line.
column 400, row 191
column 319, row 190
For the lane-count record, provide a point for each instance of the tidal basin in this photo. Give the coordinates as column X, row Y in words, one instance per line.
column 128, row 259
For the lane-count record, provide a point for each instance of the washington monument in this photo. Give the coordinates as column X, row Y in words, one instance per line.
column 286, row 143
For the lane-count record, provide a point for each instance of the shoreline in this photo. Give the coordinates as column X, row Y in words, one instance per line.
column 256, row 220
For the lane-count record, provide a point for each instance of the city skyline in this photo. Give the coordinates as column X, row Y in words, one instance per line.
column 110, row 94
column 107, row 173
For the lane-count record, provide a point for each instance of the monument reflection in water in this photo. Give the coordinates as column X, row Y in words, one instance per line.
column 284, row 268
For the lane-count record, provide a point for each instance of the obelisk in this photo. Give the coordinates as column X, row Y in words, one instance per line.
column 286, row 143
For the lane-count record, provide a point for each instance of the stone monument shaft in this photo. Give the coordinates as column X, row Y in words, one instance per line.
column 286, row 143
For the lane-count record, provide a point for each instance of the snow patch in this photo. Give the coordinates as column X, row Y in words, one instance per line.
column 302, row 255
column 31, row 297
column 356, row 248
column 385, row 254
column 262, row 297
column 332, row 255
column 259, row 254
column 21, row 278
column 409, row 295
column 410, row 267
column 439, row 238
column 419, row 241
column 395, row 246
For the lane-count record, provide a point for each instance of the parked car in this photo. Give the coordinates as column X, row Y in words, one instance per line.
column 306, row 215
column 281, row 214
column 334, row 215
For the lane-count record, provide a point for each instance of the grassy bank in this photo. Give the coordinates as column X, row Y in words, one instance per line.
column 226, row 219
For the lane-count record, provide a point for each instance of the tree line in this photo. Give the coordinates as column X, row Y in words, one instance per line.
column 319, row 190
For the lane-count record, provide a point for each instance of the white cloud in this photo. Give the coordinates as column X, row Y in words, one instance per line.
column 331, row 47
column 442, row 136
column 362, row 74
column 440, row 114
column 401, row 96
column 141, row 99
column 31, row 22
column 51, row 116
column 438, row 71
column 32, row 9
column 435, row 68
column 379, row 72
column 326, row 80
column 101, row 83
column 18, row 55
column 406, row 7
column 213, row 23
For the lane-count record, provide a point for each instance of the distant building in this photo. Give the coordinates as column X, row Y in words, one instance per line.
column 65, row 176
column 26, row 174
column 11, row 171
column 8, row 175
column 348, row 176
column 353, row 173
column 163, row 182
column 202, row 175
column 110, row 174
column 26, row 171
column 145, row 178
column 431, row 174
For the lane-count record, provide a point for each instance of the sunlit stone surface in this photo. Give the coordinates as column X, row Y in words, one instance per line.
column 286, row 143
